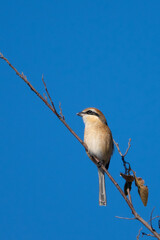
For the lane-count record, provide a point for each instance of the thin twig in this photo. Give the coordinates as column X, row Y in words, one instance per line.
column 154, row 218
column 45, row 96
column 129, row 195
column 125, row 218
column 95, row 160
column 61, row 111
column 127, row 168
column 142, row 228
column 146, row 234
column 48, row 93
column 151, row 219
column 44, row 100
column 139, row 233
column 129, row 145
column 117, row 146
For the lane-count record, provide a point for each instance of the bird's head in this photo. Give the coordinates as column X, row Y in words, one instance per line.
column 92, row 115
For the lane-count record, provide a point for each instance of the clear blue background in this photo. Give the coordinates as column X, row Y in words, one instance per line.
column 104, row 54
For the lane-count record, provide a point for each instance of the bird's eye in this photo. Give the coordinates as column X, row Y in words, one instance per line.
column 89, row 112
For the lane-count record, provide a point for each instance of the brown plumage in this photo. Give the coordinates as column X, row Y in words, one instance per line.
column 98, row 138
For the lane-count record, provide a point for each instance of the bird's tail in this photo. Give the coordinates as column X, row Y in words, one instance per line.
column 102, row 189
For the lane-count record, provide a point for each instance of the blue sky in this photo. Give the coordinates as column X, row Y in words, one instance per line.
column 102, row 54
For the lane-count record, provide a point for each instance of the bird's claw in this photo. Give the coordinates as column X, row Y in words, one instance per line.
column 99, row 164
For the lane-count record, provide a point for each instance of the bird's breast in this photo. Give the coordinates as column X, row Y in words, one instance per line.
column 98, row 140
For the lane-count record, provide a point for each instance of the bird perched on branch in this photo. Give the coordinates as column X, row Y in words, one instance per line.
column 98, row 138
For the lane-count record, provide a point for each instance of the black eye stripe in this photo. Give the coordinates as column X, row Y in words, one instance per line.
column 90, row 112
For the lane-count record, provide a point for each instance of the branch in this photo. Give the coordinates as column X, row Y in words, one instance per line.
column 129, row 195
column 94, row 159
column 126, row 218
column 146, row 234
column 151, row 219
column 155, row 218
column 48, row 94
column 61, row 111
column 127, row 169
column 44, row 100
column 117, row 145
column 139, row 233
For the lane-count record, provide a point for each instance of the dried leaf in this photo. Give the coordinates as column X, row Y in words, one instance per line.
column 128, row 178
column 143, row 192
column 139, row 181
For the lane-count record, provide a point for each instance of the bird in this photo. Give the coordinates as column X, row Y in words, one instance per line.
column 99, row 141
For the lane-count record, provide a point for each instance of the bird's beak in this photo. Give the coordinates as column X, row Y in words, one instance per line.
column 79, row 114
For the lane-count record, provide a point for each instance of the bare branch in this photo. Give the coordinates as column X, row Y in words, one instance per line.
column 151, row 219
column 117, row 146
column 151, row 226
column 129, row 195
column 44, row 100
column 61, row 111
column 155, row 218
column 129, row 145
column 94, row 159
column 139, row 233
column 45, row 96
column 48, row 94
column 125, row 164
column 149, row 235
column 125, row 218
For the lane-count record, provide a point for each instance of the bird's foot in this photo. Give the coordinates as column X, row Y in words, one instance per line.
column 99, row 164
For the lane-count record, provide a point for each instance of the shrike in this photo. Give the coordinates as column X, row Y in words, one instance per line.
column 98, row 138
